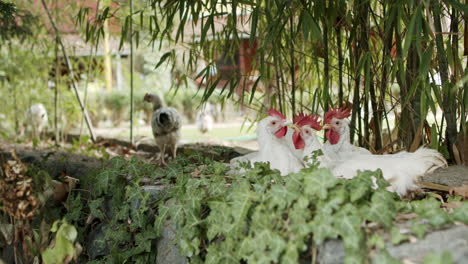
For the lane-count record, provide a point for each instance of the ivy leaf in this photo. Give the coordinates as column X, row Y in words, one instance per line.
column 323, row 228
column 291, row 255
column 318, row 182
column 376, row 241
column 461, row 214
column 397, row 236
column 63, row 247
column 265, row 241
column 95, row 208
column 433, row 258
column 361, row 185
column 383, row 257
column 430, row 209
column 102, row 183
column 382, row 208
column 280, row 197
column 419, row 229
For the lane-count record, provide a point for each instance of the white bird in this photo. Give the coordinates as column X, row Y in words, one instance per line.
column 37, row 120
column 305, row 140
column 273, row 149
column 166, row 124
column 401, row 170
column 205, row 120
column 338, row 145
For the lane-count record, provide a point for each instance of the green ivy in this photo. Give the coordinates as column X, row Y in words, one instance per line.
column 256, row 217
column 261, row 217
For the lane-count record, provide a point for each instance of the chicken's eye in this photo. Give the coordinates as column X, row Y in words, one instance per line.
column 337, row 123
column 307, row 132
column 273, row 123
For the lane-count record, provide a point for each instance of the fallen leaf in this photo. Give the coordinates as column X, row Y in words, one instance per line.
column 459, row 190
column 404, row 217
column 452, row 205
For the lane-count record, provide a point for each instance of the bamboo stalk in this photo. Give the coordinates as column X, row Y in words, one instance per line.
column 447, row 100
column 340, row 64
column 433, row 186
column 292, row 68
column 72, row 77
column 131, row 71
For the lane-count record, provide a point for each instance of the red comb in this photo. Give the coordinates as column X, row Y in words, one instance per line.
column 312, row 120
column 298, row 117
column 336, row 113
column 273, row 112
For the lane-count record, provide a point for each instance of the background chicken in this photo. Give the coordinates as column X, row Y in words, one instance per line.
column 338, row 145
column 166, row 123
column 272, row 147
column 205, row 120
column 36, row 120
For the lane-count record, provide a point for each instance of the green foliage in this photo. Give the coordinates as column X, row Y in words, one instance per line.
column 259, row 216
column 16, row 23
column 444, row 258
column 63, row 249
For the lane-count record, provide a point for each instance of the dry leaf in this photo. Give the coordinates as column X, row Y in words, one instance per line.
column 404, row 217
column 452, row 205
column 459, row 190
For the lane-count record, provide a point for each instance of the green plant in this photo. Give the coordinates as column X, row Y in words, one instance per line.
column 259, row 216
column 64, row 248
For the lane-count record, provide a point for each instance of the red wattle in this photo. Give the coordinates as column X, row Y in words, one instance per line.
column 332, row 136
column 298, row 141
column 281, row 132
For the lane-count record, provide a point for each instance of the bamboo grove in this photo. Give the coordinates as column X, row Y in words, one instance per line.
column 388, row 57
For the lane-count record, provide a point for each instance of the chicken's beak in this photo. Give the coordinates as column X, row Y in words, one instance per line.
column 295, row 127
column 326, row 126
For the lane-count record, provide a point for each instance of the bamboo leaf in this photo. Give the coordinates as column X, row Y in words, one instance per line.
column 426, row 61
column 245, row 2
column 415, row 18
column 163, row 58
column 457, row 5
column 254, row 88
column 253, row 28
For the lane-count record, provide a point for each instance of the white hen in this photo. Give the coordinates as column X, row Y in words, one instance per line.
column 306, row 141
column 205, row 120
column 272, row 147
column 401, row 170
column 37, row 120
column 339, row 145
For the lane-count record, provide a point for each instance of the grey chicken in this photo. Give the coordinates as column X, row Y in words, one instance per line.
column 166, row 123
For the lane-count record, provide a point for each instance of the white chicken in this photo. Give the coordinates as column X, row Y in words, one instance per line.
column 37, row 120
column 339, row 145
column 205, row 120
column 166, row 123
column 272, row 147
column 401, row 170
column 305, row 140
